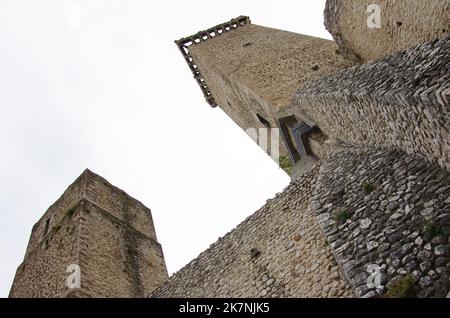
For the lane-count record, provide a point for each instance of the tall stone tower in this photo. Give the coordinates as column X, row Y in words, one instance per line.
column 94, row 241
column 251, row 72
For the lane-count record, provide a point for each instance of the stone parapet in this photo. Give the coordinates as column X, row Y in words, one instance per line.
column 399, row 102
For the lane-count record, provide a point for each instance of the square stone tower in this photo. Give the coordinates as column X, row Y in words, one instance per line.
column 94, row 241
column 251, row 72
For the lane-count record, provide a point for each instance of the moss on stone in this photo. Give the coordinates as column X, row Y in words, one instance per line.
column 430, row 228
column 368, row 187
column 70, row 212
column 403, row 288
column 285, row 164
column 342, row 215
column 56, row 228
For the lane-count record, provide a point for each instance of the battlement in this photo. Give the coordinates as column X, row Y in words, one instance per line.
column 184, row 44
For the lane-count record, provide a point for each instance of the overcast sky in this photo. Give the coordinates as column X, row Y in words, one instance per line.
column 100, row 84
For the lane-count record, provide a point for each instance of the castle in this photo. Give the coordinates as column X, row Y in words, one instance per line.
column 365, row 124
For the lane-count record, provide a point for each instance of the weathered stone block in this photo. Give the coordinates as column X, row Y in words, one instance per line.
column 402, row 24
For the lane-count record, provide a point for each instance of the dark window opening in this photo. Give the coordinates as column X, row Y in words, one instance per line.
column 254, row 253
column 263, row 121
column 47, row 226
column 301, row 131
column 285, row 126
column 295, row 135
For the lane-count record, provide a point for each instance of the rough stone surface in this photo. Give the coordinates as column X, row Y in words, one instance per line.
column 368, row 204
column 108, row 234
column 371, row 234
column 398, row 102
column 404, row 24
column 277, row 252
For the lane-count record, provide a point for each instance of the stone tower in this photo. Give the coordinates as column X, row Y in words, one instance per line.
column 251, row 72
column 402, row 24
column 98, row 232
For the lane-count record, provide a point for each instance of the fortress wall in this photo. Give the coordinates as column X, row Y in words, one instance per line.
column 404, row 24
column 119, row 204
column 116, row 259
column 399, row 102
column 277, row 252
column 43, row 272
column 398, row 209
column 374, row 207
column 57, row 212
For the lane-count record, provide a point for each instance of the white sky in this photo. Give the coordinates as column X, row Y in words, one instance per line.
column 100, row 84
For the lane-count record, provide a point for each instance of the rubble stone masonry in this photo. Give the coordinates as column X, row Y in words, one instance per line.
column 402, row 101
column 403, row 24
column 279, row 251
column 389, row 210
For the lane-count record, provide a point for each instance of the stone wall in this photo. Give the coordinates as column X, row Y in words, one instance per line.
column 399, row 102
column 360, row 209
column 119, row 204
column 43, row 271
column 117, row 260
column 388, row 209
column 98, row 227
column 404, row 24
column 277, row 252
column 56, row 213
